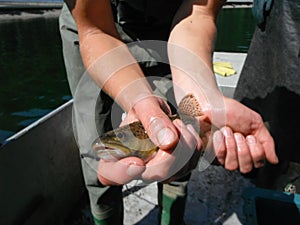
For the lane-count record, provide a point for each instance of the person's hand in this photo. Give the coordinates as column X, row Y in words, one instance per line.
column 120, row 172
column 174, row 152
column 244, row 142
column 153, row 113
column 168, row 165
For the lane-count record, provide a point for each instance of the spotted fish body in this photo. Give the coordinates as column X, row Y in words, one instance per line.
column 132, row 139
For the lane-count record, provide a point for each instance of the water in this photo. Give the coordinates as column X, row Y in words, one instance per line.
column 32, row 75
column 235, row 30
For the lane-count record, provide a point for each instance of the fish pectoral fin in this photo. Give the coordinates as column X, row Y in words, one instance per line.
column 190, row 106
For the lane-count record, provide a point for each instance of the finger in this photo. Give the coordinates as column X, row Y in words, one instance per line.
column 158, row 125
column 158, row 168
column 256, row 151
column 196, row 136
column 231, row 161
column 161, row 132
column 120, row 172
column 268, row 145
column 165, row 164
column 188, row 136
column 244, row 155
column 219, row 146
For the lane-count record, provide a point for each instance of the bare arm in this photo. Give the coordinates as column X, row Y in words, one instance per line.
column 115, row 70
column 194, row 33
column 195, row 27
column 245, row 139
column 105, row 56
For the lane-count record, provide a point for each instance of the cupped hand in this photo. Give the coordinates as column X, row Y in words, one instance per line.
column 234, row 151
column 244, row 142
column 168, row 165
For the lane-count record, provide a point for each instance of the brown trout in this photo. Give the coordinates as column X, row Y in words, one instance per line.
column 132, row 139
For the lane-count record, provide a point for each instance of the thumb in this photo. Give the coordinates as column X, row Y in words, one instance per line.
column 157, row 124
column 161, row 133
column 120, row 172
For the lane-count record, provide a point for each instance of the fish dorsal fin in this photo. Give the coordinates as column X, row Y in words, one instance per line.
column 190, row 106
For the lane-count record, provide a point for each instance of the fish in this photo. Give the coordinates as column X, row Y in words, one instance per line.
column 133, row 140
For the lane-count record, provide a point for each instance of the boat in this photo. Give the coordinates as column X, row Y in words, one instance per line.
column 40, row 171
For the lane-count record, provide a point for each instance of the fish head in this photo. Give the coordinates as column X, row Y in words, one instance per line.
column 128, row 140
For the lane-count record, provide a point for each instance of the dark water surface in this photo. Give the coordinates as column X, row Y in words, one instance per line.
column 32, row 74
column 235, row 30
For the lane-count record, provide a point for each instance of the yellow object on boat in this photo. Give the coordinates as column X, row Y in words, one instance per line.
column 224, row 69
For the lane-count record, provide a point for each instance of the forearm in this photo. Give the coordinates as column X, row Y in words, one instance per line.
column 114, row 69
column 190, row 50
column 194, row 27
column 106, row 58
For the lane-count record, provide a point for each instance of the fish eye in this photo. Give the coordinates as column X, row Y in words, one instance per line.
column 120, row 135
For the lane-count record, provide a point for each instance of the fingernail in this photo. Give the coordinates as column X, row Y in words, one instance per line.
column 238, row 137
column 228, row 132
column 134, row 170
column 164, row 135
column 218, row 137
column 251, row 139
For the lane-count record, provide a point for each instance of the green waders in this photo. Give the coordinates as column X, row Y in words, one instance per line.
column 171, row 202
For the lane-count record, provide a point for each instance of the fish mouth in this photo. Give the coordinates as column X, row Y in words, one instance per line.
column 102, row 147
column 99, row 146
column 108, row 152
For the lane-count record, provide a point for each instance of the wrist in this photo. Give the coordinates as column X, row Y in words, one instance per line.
column 130, row 98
